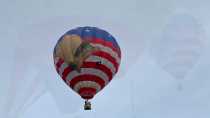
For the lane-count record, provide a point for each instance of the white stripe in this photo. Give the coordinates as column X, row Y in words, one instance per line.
column 88, row 84
column 103, row 61
column 89, row 71
column 62, row 68
column 109, row 51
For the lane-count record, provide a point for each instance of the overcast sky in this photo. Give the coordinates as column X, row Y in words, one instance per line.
column 143, row 88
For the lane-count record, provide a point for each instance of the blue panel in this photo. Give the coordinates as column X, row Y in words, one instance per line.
column 87, row 31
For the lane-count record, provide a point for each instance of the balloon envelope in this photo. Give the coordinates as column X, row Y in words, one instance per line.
column 180, row 47
column 87, row 58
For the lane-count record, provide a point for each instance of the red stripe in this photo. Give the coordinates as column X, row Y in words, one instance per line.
column 87, row 93
column 105, row 43
column 99, row 67
column 58, row 64
column 87, row 77
column 108, row 57
column 89, row 65
column 66, row 72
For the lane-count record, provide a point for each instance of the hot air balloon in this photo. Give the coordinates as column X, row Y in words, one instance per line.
column 180, row 47
column 87, row 58
column 55, row 26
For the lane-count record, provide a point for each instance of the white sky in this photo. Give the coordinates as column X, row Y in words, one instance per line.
column 142, row 89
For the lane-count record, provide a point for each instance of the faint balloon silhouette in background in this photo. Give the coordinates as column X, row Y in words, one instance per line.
column 180, row 46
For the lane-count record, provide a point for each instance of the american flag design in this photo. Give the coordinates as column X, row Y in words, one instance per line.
column 97, row 69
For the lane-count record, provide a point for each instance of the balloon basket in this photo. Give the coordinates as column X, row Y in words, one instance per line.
column 87, row 105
